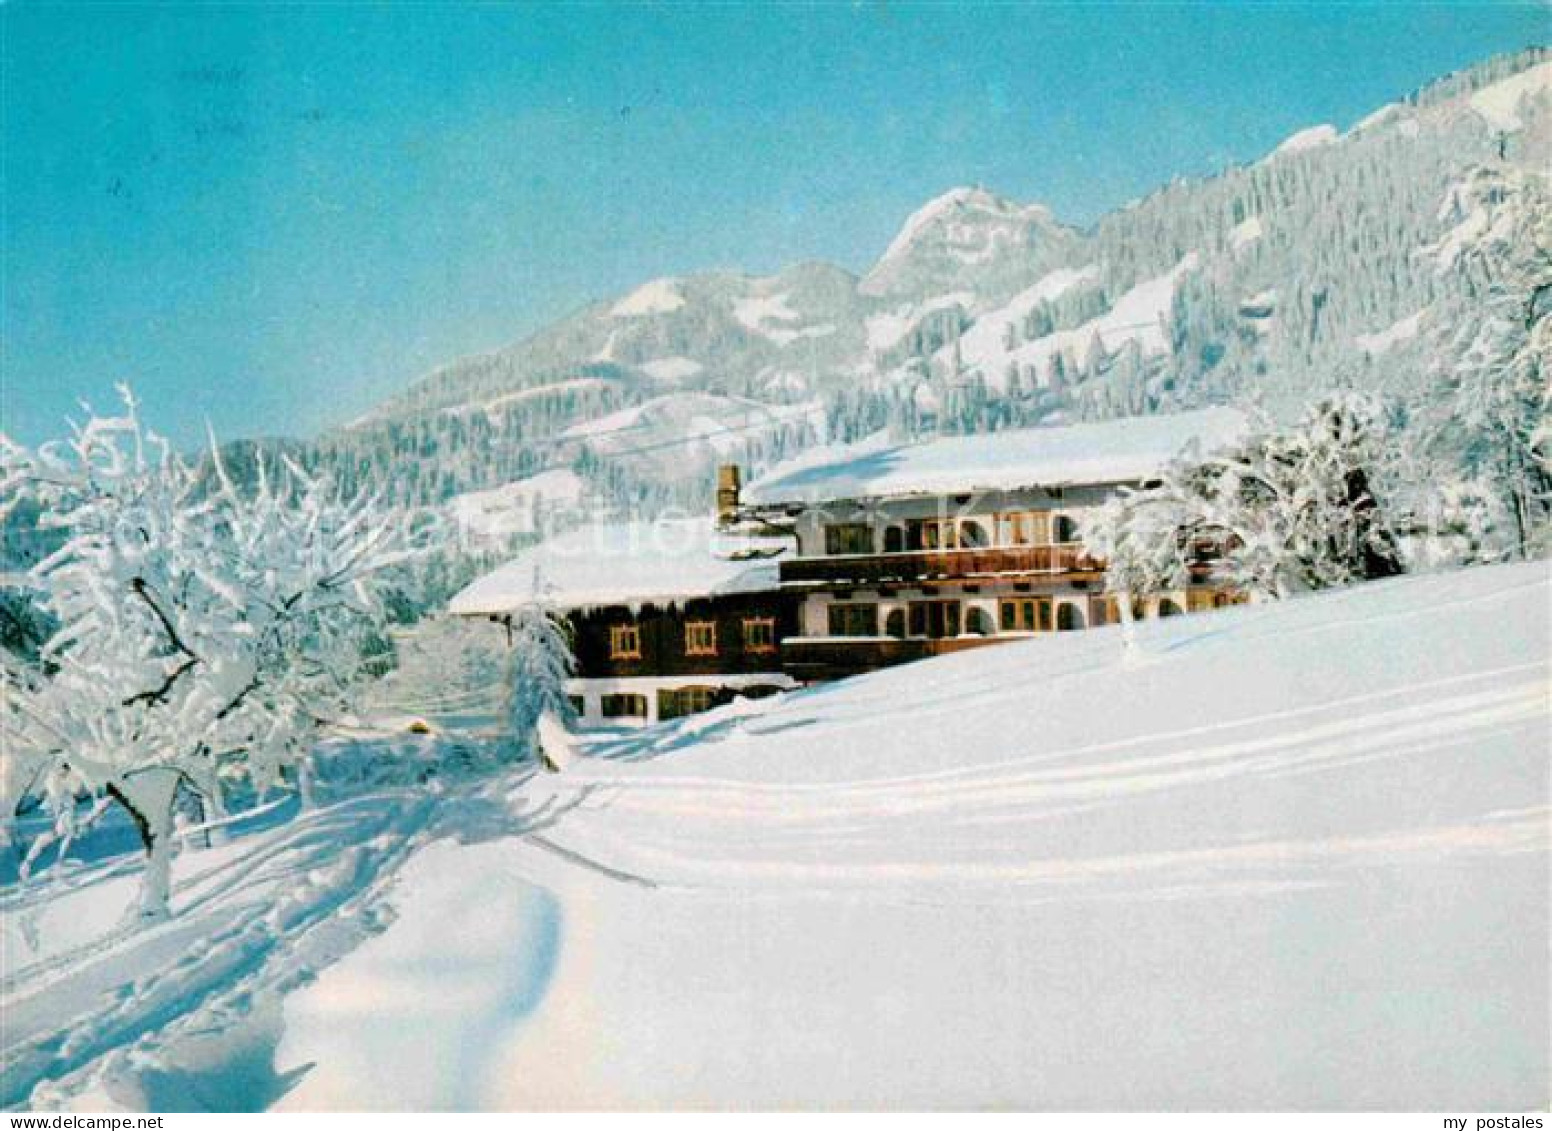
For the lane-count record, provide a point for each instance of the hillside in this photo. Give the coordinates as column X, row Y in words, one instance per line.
column 1305, row 867
column 1327, row 261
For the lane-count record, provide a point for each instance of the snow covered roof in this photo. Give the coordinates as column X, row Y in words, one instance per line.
column 632, row 563
column 1115, row 451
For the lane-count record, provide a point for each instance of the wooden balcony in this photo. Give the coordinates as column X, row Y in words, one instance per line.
column 832, row 657
column 939, row 565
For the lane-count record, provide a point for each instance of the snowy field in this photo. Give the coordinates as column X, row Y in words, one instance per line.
column 1291, row 856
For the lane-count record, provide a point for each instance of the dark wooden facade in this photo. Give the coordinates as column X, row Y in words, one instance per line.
column 955, row 565
column 813, row 660
column 661, row 632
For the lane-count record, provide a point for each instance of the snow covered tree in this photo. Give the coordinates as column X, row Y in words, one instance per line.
column 1145, row 538
column 541, row 663
column 1282, row 512
column 1492, row 411
column 204, row 633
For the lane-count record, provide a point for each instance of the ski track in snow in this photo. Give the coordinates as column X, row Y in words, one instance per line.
column 223, row 954
column 247, row 929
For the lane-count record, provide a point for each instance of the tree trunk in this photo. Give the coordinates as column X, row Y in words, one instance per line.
column 1129, row 649
column 214, row 804
column 304, row 784
column 148, row 796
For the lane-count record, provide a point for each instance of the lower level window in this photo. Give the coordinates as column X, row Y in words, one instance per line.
column 622, row 706
column 1106, row 610
column 853, row 620
column 1026, row 614
column 933, row 619
column 676, row 702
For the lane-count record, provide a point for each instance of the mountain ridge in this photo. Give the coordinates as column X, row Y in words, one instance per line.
column 1275, row 276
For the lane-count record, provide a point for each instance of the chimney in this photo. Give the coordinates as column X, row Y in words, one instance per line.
column 728, row 483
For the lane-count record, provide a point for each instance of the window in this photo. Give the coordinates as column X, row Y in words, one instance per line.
column 853, row 620
column 676, row 702
column 977, row 621
column 1064, row 529
column 1024, row 528
column 894, row 539
column 1026, row 614
column 849, row 538
column 928, row 534
column 934, row 619
column 972, row 535
column 894, row 624
column 1068, row 617
column 621, row 706
column 1168, row 608
column 578, row 704
column 1105, row 610
column 700, row 638
column 759, row 634
column 946, row 534
column 624, row 642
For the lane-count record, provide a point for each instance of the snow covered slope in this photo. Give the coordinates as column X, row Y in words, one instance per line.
column 517, row 508
column 1290, row 856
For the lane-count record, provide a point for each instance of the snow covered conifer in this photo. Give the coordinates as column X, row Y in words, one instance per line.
column 203, row 633
column 541, row 663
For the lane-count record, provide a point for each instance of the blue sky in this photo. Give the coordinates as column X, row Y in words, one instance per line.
column 272, row 217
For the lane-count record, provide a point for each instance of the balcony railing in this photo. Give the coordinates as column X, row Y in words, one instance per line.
column 928, row 565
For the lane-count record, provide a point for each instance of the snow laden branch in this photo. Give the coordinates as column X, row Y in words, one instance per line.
column 539, row 712
column 1282, row 512
column 204, row 632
